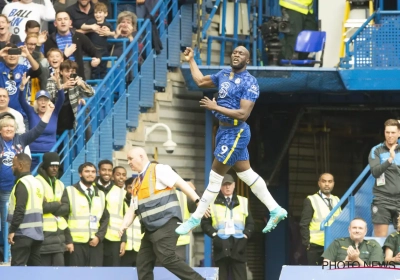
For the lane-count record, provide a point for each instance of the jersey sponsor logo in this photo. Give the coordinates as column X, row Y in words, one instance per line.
column 11, row 87
column 223, row 89
column 254, row 89
column 18, row 17
column 7, row 158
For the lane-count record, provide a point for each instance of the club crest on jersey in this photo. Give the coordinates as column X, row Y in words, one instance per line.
column 237, row 81
column 223, row 89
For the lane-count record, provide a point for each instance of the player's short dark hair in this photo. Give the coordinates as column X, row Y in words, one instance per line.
column 84, row 165
column 104, row 161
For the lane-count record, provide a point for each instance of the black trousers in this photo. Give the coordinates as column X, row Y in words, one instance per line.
column 129, row 258
column 111, row 253
column 25, row 251
column 230, row 267
column 314, row 254
column 55, row 259
column 161, row 244
column 85, row 255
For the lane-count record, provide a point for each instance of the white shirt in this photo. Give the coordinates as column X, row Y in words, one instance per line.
column 86, row 189
column 106, row 186
column 19, row 119
column 165, row 176
column 230, row 197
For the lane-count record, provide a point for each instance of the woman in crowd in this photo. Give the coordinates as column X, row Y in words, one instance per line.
column 12, row 144
column 47, row 139
column 126, row 28
column 5, row 34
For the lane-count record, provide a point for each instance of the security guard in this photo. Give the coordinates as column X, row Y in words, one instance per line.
column 54, row 224
column 87, row 219
column 300, row 15
column 230, row 226
column 316, row 208
column 25, row 214
column 354, row 248
column 155, row 202
column 114, row 246
column 391, row 246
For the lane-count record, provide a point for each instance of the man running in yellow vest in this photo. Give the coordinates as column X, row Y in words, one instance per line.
column 133, row 232
column 155, row 202
column 54, row 210
column 230, row 227
column 316, row 208
column 113, row 247
column 87, row 219
column 301, row 17
column 25, row 214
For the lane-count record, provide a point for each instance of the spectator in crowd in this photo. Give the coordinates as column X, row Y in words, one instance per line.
column 300, row 15
column 11, row 73
column 384, row 161
column 114, row 245
column 12, row 144
column 101, row 30
column 391, row 246
column 6, row 36
column 4, row 100
column 73, row 44
column 47, row 139
column 354, row 248
column 80, row 13
column 230, row 235
column 62, row 5
column 20, row 12
column 133, row 232
column 25, row 215
column 84, row 237
column 126, row 28
column 159, row 240
column 316, row 208
column 53, row 246
column 74, row 89
column 55, row 57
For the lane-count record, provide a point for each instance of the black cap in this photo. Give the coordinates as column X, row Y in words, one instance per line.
column 228, row 178
column 50, row 159
column 5, row 114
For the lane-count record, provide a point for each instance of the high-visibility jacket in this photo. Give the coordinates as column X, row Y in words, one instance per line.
column 115, row 204
column 51, row 222
column 155, row 207
column 221, row 213
column 321, row 210
column 183, row 239
column 301, row 6
column 32, row 224
column 82, row 208
column 134, row 235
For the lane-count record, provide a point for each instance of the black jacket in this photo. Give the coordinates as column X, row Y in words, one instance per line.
column 83, row 45
column 54, row 242
column 103, row 220
column 306, row 216
column 231, row 247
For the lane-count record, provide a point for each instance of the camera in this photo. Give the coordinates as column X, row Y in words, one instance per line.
column 73, row 76
column 169, row 146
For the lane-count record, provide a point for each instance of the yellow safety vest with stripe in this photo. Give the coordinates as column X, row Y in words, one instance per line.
column 115, row 203
column 183, row 239
column 81, row 210
column 155, row 207
column 301, row 6
column 220, row 214
column 51, row 222
column 32, row 224
column 321, row 210
column 133, row 235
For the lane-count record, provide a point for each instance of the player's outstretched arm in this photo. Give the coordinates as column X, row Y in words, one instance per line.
column 200, row 80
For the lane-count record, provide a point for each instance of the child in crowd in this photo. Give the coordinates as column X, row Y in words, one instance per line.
column 55, row 57
column 101, row 31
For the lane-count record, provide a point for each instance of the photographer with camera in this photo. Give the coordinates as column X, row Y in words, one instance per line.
column 300, row 15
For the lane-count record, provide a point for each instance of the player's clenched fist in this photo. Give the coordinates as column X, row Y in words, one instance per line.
column 188, row 53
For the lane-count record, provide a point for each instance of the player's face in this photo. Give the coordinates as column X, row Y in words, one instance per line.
column 239, row 58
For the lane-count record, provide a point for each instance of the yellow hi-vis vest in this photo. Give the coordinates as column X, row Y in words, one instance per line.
column 114, row 205
column 321, row 210
column 301, row 6
column 133, row 235
column 32, row 224
column 80, row 210
column 183, row 239
column 220, row 213
column 51, row 222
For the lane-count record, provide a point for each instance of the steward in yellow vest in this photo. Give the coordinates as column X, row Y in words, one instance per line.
column 25, row 214
column 230, row 226
column 54, row 210
column 316, row 208
column 87, row 219
column 114, row 246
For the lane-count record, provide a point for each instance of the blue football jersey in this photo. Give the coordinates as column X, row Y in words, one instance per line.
column 234, row 87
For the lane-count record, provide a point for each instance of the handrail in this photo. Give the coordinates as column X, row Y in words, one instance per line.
column 345, row 196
